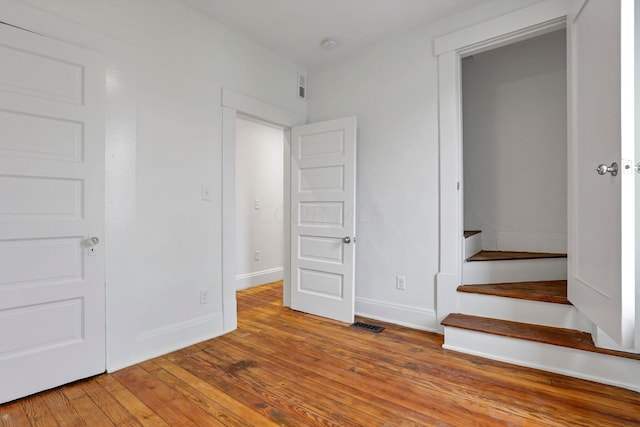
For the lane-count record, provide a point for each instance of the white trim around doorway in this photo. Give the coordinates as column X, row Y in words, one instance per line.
column 234, row 103
column 525, row 23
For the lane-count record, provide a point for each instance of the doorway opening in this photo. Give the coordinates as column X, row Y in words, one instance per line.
column 514, row 115
column 234, row 105
column 259, row 203
column 324, row 196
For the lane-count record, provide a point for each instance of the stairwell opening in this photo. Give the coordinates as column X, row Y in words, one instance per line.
column 514, row 107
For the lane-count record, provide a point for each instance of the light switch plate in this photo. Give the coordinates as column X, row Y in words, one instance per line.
column 206, row 193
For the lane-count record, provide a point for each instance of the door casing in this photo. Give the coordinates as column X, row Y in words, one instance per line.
column 233, row 104
column 525, row 23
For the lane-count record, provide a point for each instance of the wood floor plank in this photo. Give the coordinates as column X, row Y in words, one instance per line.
column 142, row 413
column 282, row 367
column 378, row 374
column 217, row 398
column 63, row 410
column 263, row 401
column 225, row 416
column 308, row 385
column 277, row 394
column 342, row 376
column 12, row 415
column 83, row 406
column 166, row 402
column 107, row 403
column 38, row 412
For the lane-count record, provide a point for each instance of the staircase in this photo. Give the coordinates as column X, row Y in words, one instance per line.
column 513, row 307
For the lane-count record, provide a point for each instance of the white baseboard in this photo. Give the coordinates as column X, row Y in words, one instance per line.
column 404, row 315
column 249, row 280
column 230, row 314
column 166, row 339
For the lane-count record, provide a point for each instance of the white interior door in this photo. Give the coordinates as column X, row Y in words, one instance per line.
column 52, row 278
column 601, row 207
column 323, row 175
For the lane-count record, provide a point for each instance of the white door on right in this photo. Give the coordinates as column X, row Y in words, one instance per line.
column 601, row 282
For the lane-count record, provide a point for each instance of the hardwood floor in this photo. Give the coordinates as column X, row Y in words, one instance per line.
column 282, row 367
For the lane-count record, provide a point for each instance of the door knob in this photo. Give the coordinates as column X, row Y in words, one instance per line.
column 603, row 169
column 91, row 241
column 346, row 240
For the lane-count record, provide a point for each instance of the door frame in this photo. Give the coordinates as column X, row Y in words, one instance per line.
column 233, row 104
column 450, row 48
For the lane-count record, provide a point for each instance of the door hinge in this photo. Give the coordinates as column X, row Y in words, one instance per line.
column 458, row 185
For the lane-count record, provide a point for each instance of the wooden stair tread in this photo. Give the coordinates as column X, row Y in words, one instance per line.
column 510, row 255
column 526, row 331
column 469, row 233
column 553, row 291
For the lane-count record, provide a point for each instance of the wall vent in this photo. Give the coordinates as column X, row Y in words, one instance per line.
column 302, row 86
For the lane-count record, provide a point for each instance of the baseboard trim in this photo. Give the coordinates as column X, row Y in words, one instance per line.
column 166, row 339
column 404, row 315
column 249, row 280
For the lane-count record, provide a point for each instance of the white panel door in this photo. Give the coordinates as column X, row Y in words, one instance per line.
column 52, row 278
column 323, row 175
column 601, row 207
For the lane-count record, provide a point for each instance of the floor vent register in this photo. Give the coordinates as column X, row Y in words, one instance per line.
column 368, row 327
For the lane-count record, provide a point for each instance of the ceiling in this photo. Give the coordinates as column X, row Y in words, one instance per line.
column 294, row 28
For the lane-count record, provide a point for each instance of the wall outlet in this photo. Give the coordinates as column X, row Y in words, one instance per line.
column 401, row 283
column 256, row 205
column 204, row 296
column 256, row 256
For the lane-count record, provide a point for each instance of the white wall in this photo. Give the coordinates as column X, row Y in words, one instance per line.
column 392, row 89
column 259, row 177
column 515, row 145
column 164, row 244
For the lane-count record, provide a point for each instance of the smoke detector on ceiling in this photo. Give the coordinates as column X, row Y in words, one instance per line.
column 329, row 43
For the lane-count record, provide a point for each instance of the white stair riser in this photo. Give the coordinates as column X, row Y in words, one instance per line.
column 482, row 272
column 525, row 311
column 472, row 245
column 616, row 371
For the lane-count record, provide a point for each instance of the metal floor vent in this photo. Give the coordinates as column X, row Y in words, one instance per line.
column 368, row 327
